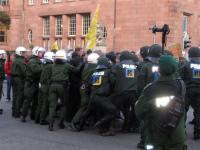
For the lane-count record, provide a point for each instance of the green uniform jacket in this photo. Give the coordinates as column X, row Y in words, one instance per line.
column 2, row 70
column 18, row 68
column 34, row 69
column 60, row 72
column 46, row 74
column 144, row 111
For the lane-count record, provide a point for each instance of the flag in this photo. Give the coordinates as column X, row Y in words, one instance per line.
column 92, row 31
column 55, row 46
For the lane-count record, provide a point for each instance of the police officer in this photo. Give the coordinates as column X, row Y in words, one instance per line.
column 190, row 73
column 101, row 100
column 144, row 53
column 162, row 120
column 59, row 84
column 149, row 70
column 18, row 72
column 85, row 90
column 33, row 72
column 124, row 77
column 42, row 108
column 2, row 73
column 148, row 73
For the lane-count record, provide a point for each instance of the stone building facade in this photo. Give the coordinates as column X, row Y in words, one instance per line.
column 127, row 22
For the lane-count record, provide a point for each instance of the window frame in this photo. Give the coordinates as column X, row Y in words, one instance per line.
column 86, row 23
column 46, row 26
column 31, row 2
column 4, row 36
column 72, row 25
column 60, row 27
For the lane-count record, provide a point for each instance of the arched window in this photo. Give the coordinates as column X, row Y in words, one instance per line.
column 30, row 36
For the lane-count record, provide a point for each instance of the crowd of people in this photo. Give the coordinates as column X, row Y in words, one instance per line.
column 150, row 94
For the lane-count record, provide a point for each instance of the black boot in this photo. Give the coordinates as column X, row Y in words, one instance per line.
column 51, row 125
column 196, row 136
column 140, row 145
column 23, row 119
column 1, row 111
column 61, row 125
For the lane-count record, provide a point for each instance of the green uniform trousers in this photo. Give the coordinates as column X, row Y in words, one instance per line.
column 31, row 99
column 57, row 91
column 18, row 95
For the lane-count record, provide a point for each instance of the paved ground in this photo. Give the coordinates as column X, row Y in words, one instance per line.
column 15, row 135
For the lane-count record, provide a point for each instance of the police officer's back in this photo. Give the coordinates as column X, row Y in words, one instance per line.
column 18, row 73
column 149, row 70
column 190, row 73
column 161, row 109
column 124, row 78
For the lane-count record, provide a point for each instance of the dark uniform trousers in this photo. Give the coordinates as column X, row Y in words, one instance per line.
column 57, row 91
column 105, row 105
column 125, row 102
column 43, row 104
column 18, row 95
column 193, row 99
column 31, row 98
column 79, row 117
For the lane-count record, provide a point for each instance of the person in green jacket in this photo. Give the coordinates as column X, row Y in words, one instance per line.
column 33, row 72
column 42, row 108
column 18, row 73
column 163, row 130
column 85, row 90
column 59, row 84
column 2, row 73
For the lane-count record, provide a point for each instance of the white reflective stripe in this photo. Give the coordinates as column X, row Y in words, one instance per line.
column 99, row 73
column 163, row 101
column 195, row 66
column 149, row 147
column 129, row 66
column 155, row 69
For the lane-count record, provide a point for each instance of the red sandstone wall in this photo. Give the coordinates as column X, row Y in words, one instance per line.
column 133, row 18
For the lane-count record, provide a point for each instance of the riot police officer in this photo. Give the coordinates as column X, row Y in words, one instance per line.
column 42, row 108
column 161, row 109
column 190, row 73
column 101, row 100
column 33, row 72
column 18, row 72
column 85, row 90
column 124, row 77
column 59, row 84
column 148, row 73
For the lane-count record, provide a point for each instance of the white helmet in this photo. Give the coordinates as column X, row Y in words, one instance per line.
column 2, row 54
column 37, row 49
column 49, row 56
column 61, row 54
column 93, row 58
column 19, row 50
